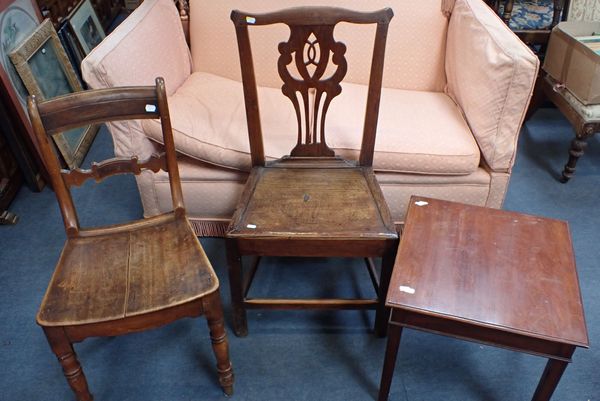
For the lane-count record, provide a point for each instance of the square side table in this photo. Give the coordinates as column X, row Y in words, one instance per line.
column 490, row 276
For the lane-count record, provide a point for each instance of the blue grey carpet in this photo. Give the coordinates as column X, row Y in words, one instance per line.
column 293, row 355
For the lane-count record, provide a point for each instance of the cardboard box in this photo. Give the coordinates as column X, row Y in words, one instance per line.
column 572, row 61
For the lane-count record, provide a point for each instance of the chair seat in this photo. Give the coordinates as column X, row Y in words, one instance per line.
column 312, row 203
column 115, row 272
column 532, row 14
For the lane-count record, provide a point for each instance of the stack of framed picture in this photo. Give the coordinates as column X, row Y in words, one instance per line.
column 80, row 32
column 35, row 62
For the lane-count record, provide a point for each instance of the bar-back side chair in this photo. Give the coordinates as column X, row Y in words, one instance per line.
column 128, row 277
column 311, row 203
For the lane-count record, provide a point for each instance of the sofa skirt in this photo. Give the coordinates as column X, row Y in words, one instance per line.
column 211, row 192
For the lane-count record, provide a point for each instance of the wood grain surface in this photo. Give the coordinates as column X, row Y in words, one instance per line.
column 492, row 268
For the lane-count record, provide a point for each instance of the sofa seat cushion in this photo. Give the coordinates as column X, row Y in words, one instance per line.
column 418, row 132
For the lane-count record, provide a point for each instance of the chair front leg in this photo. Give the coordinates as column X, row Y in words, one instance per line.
column 234, row 262
column 216, row 324
column 63, row 349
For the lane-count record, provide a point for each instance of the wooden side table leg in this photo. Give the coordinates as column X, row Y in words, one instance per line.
column 216, row 324
column 575, row 152
column 550, row 378
column 62, row 348
column 382, row 314
column 234, row 262
column 391, row 352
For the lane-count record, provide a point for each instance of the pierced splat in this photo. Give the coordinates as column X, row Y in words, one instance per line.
column 312, row 65
column 310, row 49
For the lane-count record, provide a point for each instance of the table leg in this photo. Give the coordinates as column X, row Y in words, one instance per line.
column 578, row 144
column 575, row 152
column 550, row 378
column 391, row 352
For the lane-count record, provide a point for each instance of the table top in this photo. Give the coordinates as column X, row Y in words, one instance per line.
column 490, row 268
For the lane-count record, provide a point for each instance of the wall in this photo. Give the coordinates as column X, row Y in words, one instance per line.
column 588, row 10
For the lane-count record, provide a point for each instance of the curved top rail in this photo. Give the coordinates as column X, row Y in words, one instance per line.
column 316, row 15
column 102, row 105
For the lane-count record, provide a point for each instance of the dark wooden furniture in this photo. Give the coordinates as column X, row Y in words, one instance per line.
column 122, row 278
column 491, row 276
column 584, row 127
column 58, row 10
column 311, row 203
column 10, row 181
column 19, row 137
column 533, row 36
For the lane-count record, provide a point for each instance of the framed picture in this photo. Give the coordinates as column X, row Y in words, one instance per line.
column 86, row 26
column 47, row 72
column 18, row 18
column 72, row 48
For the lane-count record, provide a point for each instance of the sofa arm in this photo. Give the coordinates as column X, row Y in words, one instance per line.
column 491, row 76
column 149, row 43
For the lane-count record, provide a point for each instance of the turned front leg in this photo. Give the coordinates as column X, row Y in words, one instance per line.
column 507, row 13
column 216, row 324
column 575, row 152
column 63, row 349
column 577, row 148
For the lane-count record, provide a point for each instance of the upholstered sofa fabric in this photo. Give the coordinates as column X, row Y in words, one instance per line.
column 418, row 132
column 415, row 48
column 584, row 10
column 456, row 87
column 152, row 32
column 494, row 99
column 216, row 190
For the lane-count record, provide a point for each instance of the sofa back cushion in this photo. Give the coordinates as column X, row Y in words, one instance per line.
column 493, row 99
column 415, row 50
column 209, row 124
column 127, row 57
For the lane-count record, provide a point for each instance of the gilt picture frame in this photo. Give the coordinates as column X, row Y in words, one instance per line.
column 46, row 72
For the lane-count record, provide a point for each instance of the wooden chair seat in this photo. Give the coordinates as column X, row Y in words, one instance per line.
column 119, row 273
column 338, row 201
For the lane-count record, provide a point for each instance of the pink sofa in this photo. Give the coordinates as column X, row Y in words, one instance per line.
column 457, row 83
